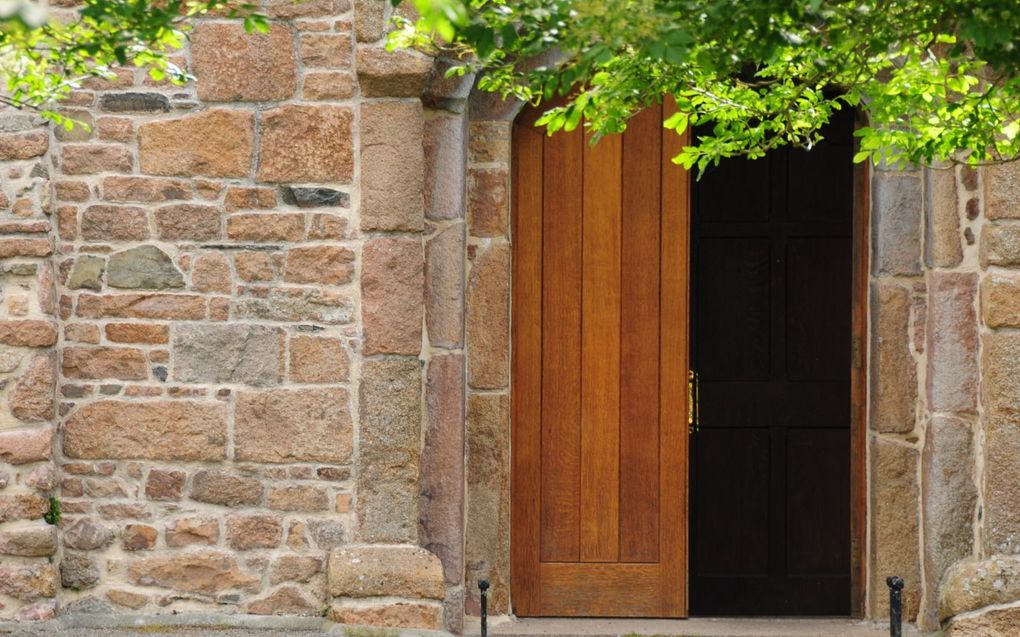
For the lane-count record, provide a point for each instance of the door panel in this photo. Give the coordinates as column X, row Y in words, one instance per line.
column 599, row 373
column 771, row 307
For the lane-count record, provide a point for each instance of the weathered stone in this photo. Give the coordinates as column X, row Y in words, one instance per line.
column 156, row 430
column 114, row 223
column 104, row 362
column 942, row 212
column 28, row 583
column 233, row 353
column 972, row 584
column 329, row 265
column 178, row 307
column 369, row 19
column 1002, row 191
column 19, row 146
column 144, row 267
column 23, row 447
column 997, row 622
column 488, row 318
column 78, row 571
column 489, row 142
column 211, row 273
column 328, row 534
column 253, row 531
column 487, row 547
column 199, row 572
column 287, row 600
column 894, row 525
column 315, row 359
column 90, row 159
column 254, row 266
column 298, row 425
column 188, row 531
column 314, row 197
column 87, row 605
column 893, row 371
column 188, row 221
column 213, row 143
column 391, row 286
column 442, row 466
column 326, row 50
column 952, row 342
column 165, row 484
column 87, row 273
column 1000, row 300
column 949, row 497
column 327, row 226
column 390, row 615
column 306, row 143
column 896, row 236
column 447, row 93
column 392, row 166
column 224, row 56
column 11, row 357
column 25, row 248
column 294, row 568
column 127, row 188
column 127, row 599
column 36, row 540
column 382, row 571
column 218, row 487
column 328, row 85
column 22, row 507
column 248, row 198
column 444, row 172
column 298, row 305
column 390, row 399
column 86, row 535
column 138, row 537
column 488, row 201
column 28, row 333
column 297, row 498
column 266, row 227
column 134, row 103
column 33, row 395
column 288, row 9
column 137, row 333
column 1000, row 245
column 42, row 478
column 444, row 287
column 383, row 73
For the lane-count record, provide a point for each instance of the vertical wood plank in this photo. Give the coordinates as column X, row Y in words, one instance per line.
column 639, row 371
column 526, row 404
column 858, row 392
column 600, row 352
column 561, row 346
column 674, row 330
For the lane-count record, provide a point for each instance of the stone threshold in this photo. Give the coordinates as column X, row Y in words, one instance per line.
column 694, row 627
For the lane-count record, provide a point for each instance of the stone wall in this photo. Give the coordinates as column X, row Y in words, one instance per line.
column 216, row 293
column 255, row 343
column 944, row 388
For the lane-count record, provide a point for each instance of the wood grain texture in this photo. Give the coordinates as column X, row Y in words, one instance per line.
column 600, row 352
column 561, row 346
column 639, row 386
column 598, row 236
column 526, row 405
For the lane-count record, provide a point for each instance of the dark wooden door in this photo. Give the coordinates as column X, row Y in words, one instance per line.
column 599, row 448
column 771, row 334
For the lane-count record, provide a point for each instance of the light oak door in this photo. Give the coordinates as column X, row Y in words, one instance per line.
column 600, row 323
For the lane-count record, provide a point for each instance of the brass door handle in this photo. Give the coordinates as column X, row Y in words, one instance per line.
column 693, row 424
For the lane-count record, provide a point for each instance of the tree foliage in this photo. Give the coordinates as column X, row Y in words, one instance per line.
column 46, row 51
column 937, row 80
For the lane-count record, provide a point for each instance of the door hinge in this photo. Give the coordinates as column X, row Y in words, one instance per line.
column 693, row 425
column 856, row 352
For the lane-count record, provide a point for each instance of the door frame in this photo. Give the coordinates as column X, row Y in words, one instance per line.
column 858, row 380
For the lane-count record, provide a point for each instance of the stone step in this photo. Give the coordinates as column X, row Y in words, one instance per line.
column 695, row 627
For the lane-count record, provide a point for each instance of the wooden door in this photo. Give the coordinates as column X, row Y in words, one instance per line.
column 599, row 447
column 771, row 312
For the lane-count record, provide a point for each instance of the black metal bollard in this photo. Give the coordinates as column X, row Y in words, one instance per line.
column 483, row 587
column 895, row 585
